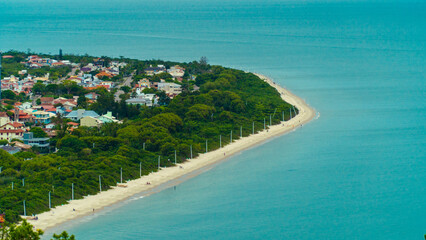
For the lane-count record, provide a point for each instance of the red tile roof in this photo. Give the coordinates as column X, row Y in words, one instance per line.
column 11, row 131
column 16, row 124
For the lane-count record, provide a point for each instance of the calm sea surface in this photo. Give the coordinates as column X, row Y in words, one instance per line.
column 358, row 172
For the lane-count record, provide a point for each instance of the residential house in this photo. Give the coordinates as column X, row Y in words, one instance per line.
column 171, row 88
column 86, row 69
column 10, row 149
column 25, row 117
column 104, row 74
column 143, row 99
column 23, row 72
column 107, row 84
column 11, row 130
column 58, row 64
column 46, row 101
column 29, row 139
column 4, row 118
column 42, row 117
column 176, row 71
column 50, row 126
column 20, row 145
column 25, row 105
column 92, row 96
column 89, row 121
column 67, row 104
column 108, row 118
column 78, row 114
column 73, row 124
column 155, row 70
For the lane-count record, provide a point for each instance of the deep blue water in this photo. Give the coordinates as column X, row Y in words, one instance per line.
column 358, row 172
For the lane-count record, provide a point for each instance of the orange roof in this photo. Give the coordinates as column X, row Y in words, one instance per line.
column 104, row 74
column 99, row 86
column 73, row 123
column 11, row 131
column 16, row 124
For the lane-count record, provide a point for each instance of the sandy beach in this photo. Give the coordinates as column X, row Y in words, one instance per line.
column 61, row 214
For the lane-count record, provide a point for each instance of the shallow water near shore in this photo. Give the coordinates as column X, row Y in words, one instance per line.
column 359, row 171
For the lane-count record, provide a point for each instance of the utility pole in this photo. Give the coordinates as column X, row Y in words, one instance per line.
column 121, row 175
column 23, row 182
column 191, row 150
column 206, row 146
column 264, row 123
column 100, row 184
column 72, row 191
column 143, row 146
column 241, row 132
column 140, row 169
column 270, row 120
column 50, row 205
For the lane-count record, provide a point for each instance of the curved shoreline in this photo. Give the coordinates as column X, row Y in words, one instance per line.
column 186, row 170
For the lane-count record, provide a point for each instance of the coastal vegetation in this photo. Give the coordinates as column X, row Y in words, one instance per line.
column 26, row 231
column 228, row 104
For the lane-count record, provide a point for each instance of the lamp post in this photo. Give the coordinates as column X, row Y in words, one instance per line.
column 25, row 210
column 253, row 128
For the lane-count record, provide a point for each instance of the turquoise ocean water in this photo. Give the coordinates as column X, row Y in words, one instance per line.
column 358, row 172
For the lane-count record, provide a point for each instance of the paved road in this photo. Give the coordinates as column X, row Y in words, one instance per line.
column 127, row 82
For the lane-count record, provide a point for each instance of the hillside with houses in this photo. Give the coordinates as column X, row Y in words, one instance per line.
column 37, row 90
